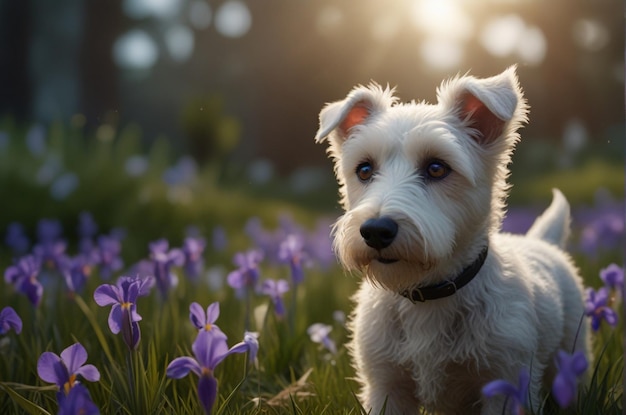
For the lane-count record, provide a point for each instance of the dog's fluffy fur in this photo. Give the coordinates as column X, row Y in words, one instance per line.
column 526, row 301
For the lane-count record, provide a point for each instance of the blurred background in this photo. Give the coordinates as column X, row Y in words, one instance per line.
column 158, row 114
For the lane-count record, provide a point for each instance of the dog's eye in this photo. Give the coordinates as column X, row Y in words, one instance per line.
column 437, row 169
column 365, row 171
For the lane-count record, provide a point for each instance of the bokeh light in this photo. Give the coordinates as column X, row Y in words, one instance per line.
column 135, row 50
column 200, row 14
column 510, row 35
column 329, row 19
column 233, row 19
column 442, row 53
column 276, row 65
column 442, row 18
column 179, row 40
column 141, row 9
column 591, row 35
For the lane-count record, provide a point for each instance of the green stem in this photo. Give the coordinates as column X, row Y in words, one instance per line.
column 96, row 327
column 130, row 370
column 248, row 299
column 292, row 313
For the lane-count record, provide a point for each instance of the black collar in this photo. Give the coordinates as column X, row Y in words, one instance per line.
column 447, row 288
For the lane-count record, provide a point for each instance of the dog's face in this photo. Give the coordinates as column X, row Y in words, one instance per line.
column 420, row 183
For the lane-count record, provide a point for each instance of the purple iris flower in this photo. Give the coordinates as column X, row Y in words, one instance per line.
column 193, row 249
column 50, row 247
column 49, row 230
column 320, row 244
column 16, row 239
column 596, row 307
column 163, row 259
column 275, row 290
column 570, row 368
column 613, row 277
column 78, row 401
column 64, row 370
column 87, row 226
column 604, row 230
column 518, row 219
column 123, row 297
column 142, row 269
column 107, row 255
column 251, row 339
column 87, row 230
column 209, row 349
column 291, row 251
column 319, row 333
column 220, row 239
column 247, row 275
column 52, row 253
column 10, row 320
column 267, row 242
column 76, row 271
column 205, row 321
column 23, row 275
column 515, row 394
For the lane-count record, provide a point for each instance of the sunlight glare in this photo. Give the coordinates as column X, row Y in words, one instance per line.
column 442, row 53
column 329, row 18
column 385, row 28
column 501, row 35
column 442, row 18
column 532, row 49
column 510, row 35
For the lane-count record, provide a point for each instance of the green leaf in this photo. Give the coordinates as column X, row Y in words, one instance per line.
column 24, row 403
column 94, row 324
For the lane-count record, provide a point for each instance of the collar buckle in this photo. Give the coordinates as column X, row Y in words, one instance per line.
column 415, row 295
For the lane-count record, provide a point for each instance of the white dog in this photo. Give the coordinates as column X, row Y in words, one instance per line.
column 447, row 303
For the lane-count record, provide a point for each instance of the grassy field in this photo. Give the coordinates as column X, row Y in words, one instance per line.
column 292, row 374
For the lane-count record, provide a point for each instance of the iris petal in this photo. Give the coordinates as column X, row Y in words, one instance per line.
column 212, row 312
column 105, row 295
column 207, row 392
column 89, row 372
column 50, row 368
column 499, row 387
column 181, row 366
column 74, row 357
column 562, row 390
column 10, row 317
column 196, row 315
column 115, row 318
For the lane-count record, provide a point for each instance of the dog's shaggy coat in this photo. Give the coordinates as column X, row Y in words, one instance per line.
column 438, row 173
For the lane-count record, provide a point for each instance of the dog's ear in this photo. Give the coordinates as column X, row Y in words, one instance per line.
column 490, row 107
column 361, row 104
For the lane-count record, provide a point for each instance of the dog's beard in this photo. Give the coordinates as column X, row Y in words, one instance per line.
column 404, row 264
column 398, row 276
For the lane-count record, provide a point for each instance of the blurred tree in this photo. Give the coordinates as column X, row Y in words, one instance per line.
column 15, row 35
column 295, row 57
column 99, row 76
column 210, row 134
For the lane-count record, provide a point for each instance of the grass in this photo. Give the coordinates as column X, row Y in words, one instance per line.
column 293, row 375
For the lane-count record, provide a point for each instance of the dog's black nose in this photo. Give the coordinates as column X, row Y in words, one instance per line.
column 379, row 233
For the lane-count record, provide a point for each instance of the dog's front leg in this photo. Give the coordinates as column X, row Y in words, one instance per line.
column 390, row 389
column 385, row 383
